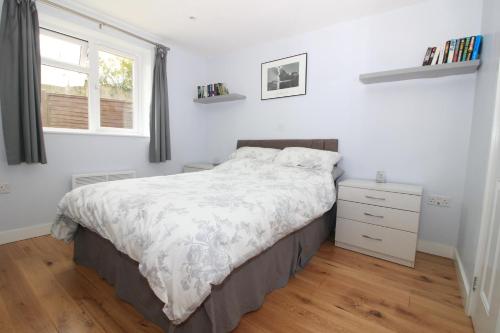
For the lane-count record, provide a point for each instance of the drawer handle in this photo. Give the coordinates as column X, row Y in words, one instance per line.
column 372, row 238
column 372, row 197
column 377, row 216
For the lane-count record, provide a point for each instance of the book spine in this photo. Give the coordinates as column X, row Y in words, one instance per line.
column 446, row 52
column 451, row 53
column 460, row 50
column 427, row 55
column 437, row 56
column 477, row 47
column 222, row 89
column 470, row 50
column 466, row 49
column 431, row 56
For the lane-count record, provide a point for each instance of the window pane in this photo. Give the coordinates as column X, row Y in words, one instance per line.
column 116, row 86
column 64, row 98
column 63, row 49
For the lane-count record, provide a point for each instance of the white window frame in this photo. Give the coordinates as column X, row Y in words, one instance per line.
column 136, row 96
column 97, row 40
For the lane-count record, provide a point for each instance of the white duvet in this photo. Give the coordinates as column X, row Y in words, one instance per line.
column 189, row 231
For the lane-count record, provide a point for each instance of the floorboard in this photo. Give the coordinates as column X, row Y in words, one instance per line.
column 42, row 290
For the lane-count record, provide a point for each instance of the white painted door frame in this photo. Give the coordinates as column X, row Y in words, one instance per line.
column 489, row 194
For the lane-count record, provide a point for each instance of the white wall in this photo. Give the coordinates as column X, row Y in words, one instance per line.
column 416, row 131
column 36, row 189
column 484, row 105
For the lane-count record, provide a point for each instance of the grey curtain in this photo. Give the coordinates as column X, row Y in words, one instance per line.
column 159, row 146
column 20, row 71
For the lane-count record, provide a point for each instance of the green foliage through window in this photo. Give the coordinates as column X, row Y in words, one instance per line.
column 115, row 76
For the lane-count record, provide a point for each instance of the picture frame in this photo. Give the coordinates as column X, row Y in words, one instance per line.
column 284, row 77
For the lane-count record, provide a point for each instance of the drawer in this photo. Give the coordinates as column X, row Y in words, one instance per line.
column 383, row 216
column 380, row 198
column 386, row 241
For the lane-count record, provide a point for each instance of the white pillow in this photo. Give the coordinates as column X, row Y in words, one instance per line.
column 308, row 158
column 258, row 153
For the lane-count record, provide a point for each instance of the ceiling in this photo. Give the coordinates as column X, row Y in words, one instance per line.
column 224, row 25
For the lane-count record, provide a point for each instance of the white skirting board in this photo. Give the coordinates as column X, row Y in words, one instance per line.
column 463, row 281
column 438, row 249
column 14, row 235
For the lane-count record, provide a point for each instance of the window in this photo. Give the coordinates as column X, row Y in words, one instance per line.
column 116, row 81
column 90, row 85
column 65, row 81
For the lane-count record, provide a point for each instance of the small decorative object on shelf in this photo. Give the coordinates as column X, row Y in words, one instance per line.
column 380, row 177
column 213, row 89
column 455, row 50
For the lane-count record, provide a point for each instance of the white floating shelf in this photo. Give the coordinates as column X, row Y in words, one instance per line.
column 421, row 72
column 219, row 99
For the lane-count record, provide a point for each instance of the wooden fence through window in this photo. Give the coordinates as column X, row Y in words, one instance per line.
column 70, row 111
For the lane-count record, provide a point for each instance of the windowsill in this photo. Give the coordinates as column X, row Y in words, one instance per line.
column 77, row 132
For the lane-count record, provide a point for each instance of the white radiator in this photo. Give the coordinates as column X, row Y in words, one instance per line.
column 93, row 178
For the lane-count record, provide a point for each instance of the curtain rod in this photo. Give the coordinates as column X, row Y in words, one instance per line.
column 101, row 23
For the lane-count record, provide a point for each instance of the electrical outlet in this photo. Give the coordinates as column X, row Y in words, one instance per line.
column 4, row 188
column 439, row 200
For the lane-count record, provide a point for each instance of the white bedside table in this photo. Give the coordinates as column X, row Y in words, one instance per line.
column 379, row 219
column 193, row 167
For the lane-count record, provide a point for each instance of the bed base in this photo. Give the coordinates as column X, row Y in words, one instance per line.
column 242, row 291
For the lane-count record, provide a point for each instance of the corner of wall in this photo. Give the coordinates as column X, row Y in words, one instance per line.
column 437, row 249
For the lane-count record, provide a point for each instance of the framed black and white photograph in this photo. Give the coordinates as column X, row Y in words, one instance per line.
column 284, row 77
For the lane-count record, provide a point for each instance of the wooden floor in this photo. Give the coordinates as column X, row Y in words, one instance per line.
column 42, row 290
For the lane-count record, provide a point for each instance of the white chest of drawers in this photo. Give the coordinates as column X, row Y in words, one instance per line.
column 379, row 220
column 194, row 167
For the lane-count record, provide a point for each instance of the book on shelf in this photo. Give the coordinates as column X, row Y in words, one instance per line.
column 470, row 49
column 446, row 51
column 427, row 56
column 466, row 49
column 451, row 52
column 477, row 47
column 454, row 50
column 460, row 50
column 437, row 55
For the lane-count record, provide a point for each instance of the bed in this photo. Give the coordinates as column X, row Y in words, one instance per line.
column 263, row 268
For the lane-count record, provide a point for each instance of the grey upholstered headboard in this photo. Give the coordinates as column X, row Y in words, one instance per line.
column 322, row 144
